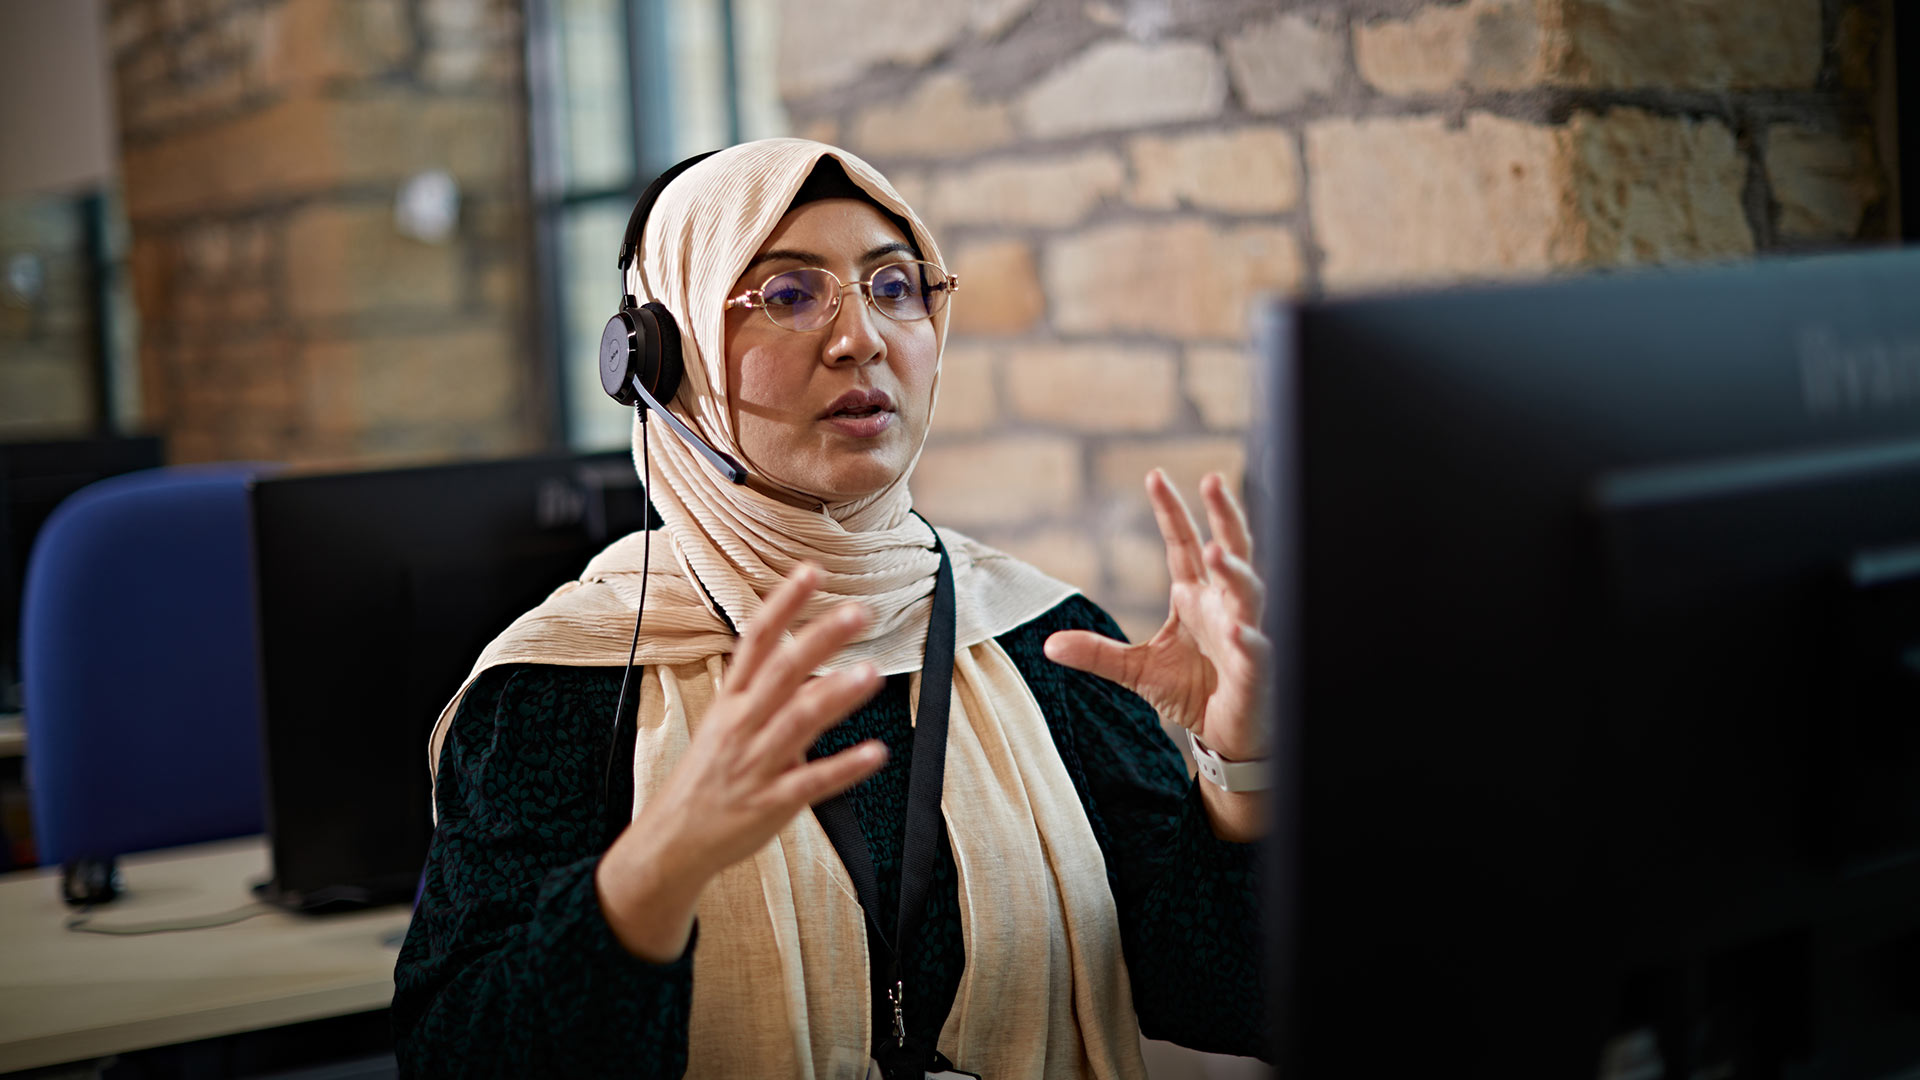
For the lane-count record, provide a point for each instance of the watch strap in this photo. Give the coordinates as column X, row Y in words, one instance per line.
column 1230, row 775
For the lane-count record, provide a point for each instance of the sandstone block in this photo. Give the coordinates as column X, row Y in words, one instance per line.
column 1279, row 64
column 272, row 150
column 1138, row 623
column 1249, row 171
column 1482, row 44
column 1692, row 44
column 1122, row 388
column 1126, row 84
column 912, row 187
column 329, row 383
column 1046, row 191
column 461, row 376
column 1409, row 199
column 999, row 289
column 1006, row 481
column 344, row 260
column 992, row 17
column 1653, row 189
column 940, row 119
column 1823, row 181
column 249, row 305
column 820, row 129
column 1219, row 382
column 1120, row 471
column 305, row 144
column 968, row 402
column 389, row 138
column 1180, row 278
column 1067, row 554
column 1140, row 577
column 204, row 248
column 301, row 45
column 373, row 36
column 152, row 266
column 837, row 40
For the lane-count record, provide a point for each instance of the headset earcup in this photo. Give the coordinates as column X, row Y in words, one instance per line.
column 619, row 350
column 664, row 366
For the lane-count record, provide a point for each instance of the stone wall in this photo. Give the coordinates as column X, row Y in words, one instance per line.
column 1115, row 181
column 284, row 316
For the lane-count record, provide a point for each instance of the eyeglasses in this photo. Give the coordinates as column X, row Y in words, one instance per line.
column 809, row 299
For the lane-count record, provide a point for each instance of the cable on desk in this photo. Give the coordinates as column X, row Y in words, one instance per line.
column 82, row 922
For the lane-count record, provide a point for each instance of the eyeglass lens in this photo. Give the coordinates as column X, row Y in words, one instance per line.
column 808, row 299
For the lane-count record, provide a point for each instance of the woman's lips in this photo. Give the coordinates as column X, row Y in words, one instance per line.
column 861, row 414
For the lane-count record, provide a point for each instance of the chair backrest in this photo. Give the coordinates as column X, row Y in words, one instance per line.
column 139, row 665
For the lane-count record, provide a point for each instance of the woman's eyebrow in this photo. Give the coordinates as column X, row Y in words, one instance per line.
column 808, row 257
column 885, row 249
column 811, row 258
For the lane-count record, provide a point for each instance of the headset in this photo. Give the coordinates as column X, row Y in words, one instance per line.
column 640, row 362
column 641, row 366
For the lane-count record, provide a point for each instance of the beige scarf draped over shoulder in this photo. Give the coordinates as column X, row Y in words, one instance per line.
column 780, row 983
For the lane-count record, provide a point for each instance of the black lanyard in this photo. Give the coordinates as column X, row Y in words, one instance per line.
column 924, row 825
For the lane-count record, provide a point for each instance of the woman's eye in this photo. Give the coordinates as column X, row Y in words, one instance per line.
column 893, row 285
column 785, row 295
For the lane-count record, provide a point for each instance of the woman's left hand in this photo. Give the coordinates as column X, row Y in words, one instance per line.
column 1206, row 668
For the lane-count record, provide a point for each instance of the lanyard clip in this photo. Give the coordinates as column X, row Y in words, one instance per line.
column 897, row 994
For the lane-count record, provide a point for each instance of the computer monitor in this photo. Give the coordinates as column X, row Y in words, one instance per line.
column 377, row 591
column 1597, row 605
column 34, row 478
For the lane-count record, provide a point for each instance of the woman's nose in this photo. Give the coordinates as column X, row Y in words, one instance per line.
column 855, row 337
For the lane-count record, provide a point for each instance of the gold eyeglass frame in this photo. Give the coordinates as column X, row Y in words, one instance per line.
column 756, row 300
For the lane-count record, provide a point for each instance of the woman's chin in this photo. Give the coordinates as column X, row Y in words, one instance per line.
column 851, row 478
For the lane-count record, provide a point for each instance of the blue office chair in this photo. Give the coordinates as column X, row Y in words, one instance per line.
column 138, row 665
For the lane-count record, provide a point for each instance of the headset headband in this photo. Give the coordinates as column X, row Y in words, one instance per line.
column 629, row 245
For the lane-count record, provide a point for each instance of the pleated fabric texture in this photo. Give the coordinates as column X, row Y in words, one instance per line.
column 780, row 975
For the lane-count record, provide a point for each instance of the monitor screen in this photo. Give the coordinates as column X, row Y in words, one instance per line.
column 1598, row 605
column 377, row 591
column 34, row 478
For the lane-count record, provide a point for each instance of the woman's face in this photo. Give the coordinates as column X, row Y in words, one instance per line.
column 837, row 412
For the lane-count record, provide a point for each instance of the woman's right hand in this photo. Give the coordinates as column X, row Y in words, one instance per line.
column 745, row 774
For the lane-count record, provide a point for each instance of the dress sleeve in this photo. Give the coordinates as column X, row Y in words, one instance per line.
column 509, row 968
column 1187, row 900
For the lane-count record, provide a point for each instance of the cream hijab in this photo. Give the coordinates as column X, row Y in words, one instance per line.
column 780, row 973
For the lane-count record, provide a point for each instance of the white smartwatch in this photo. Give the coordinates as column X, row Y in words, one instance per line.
column 1230, row 775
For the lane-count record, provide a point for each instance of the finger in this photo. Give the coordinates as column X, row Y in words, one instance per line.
column 1243, row 671
column 817, row 706
column 791, row 663
column 1225, row 519
column 1176, row 527
column 1245, row 593
column 817, row 781
column 770, row 623
column 1086, row 651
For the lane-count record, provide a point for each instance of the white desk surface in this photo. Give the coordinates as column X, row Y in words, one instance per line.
column 68, row 996
column 13, row 735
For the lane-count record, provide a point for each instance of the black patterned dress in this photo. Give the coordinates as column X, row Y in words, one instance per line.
column 509, row 968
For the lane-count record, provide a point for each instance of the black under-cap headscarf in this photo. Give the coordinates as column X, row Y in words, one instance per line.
column 829, row 180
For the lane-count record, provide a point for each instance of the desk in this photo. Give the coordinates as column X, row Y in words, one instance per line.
column 13, row 735
column 66, row 996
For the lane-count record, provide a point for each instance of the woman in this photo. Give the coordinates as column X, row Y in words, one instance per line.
column 1078, row 888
